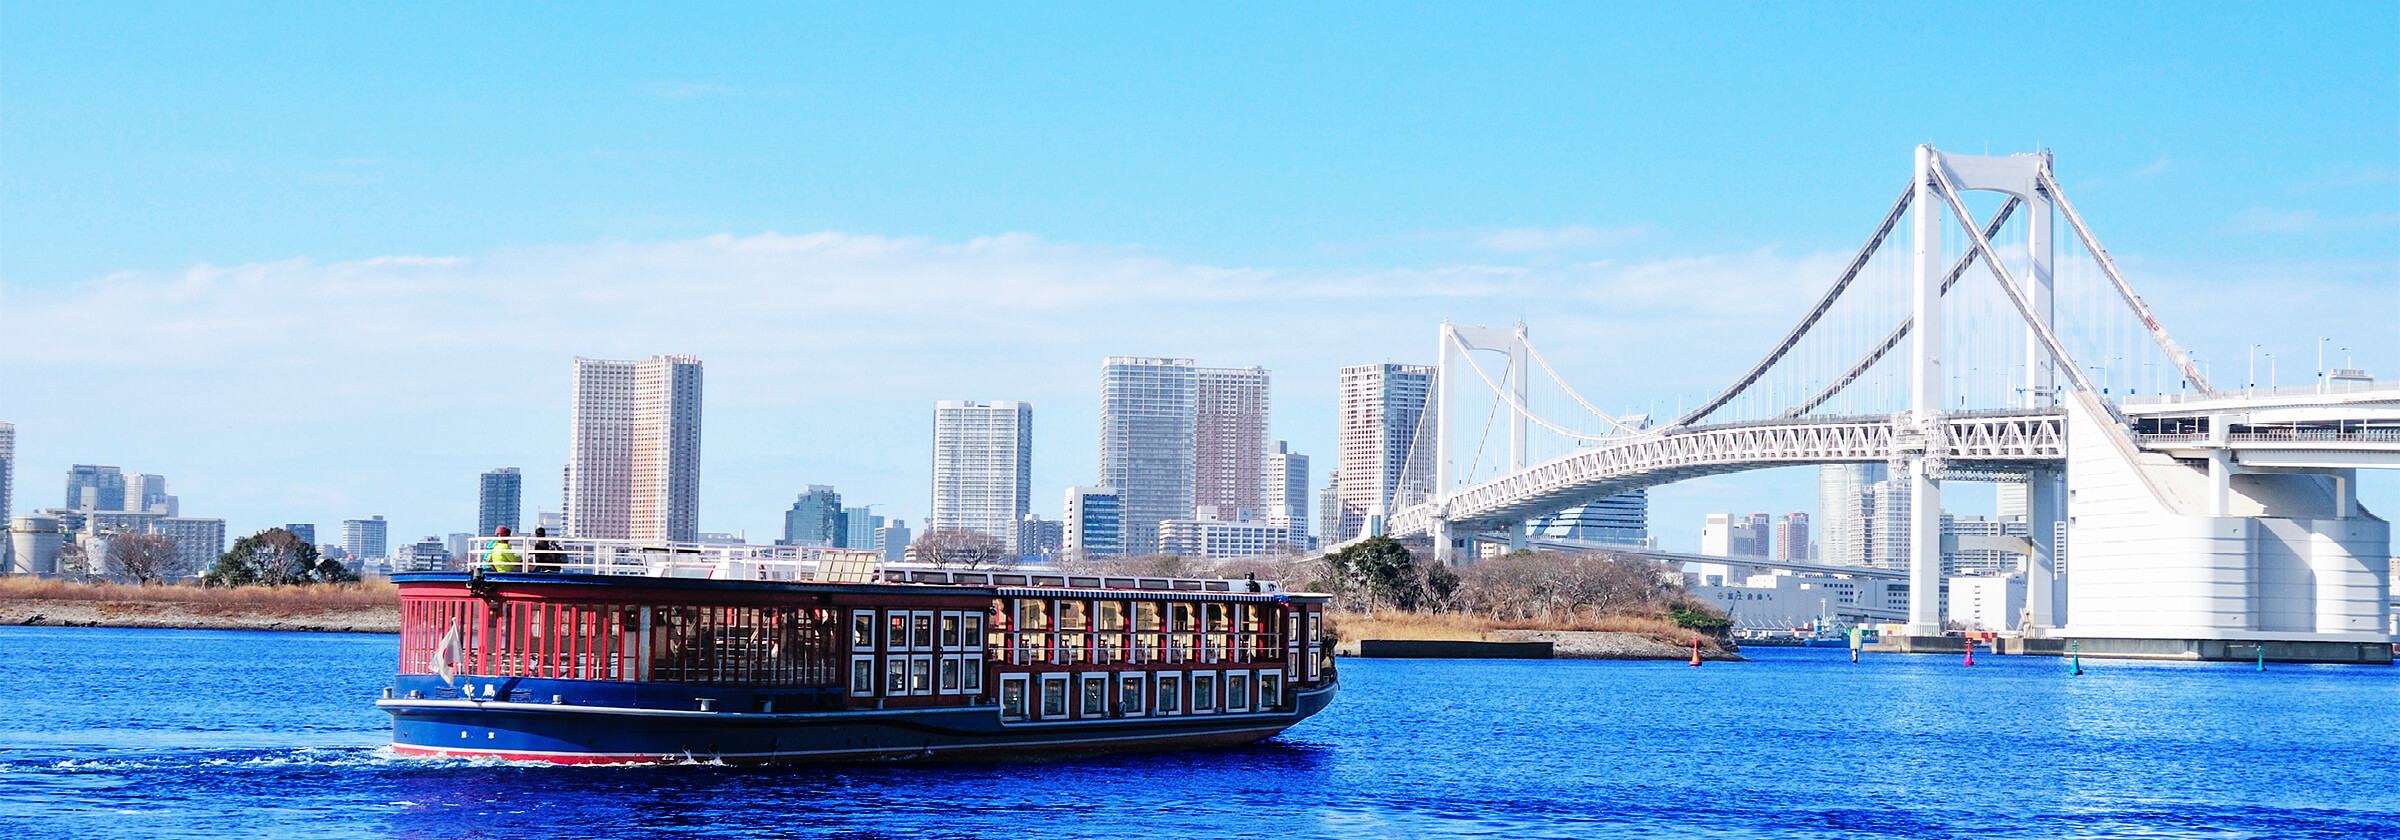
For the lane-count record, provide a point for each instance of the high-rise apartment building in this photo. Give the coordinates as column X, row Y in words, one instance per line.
column 1286, row 500
column 1622, row 519
column 148, row 493
column 982, row 467
column 306, row 532
column 500, row 498
column 366, row 538
column 1095, row 523
column 1148, row 442
column 1845, row 514
column 633, row 464
column 1038, row 536
column 1758, row 533
column 816, row 518
column 1791, row 538
column 199, row 541
column 1231, row 407
column 1329, row 506
column 95, row 487
column 1385, row 423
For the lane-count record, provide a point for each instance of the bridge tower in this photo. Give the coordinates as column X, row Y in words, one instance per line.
column 2020, row 176
column 1456, row 342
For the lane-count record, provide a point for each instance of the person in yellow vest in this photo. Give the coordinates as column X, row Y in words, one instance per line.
column 500, row 558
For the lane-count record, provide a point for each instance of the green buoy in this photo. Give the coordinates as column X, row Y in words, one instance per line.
column 2076, row 652
column 2262, row 657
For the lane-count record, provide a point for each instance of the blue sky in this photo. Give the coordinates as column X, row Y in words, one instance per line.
column 317, row 261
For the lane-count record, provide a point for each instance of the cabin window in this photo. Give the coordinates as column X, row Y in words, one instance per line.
column 1012, row 696
column 1071, row 642
column 971, row 634
column 970, row 674
column 1129, row 694
column 1237, row 692
column 1180, row 631
column 1170, row 694
column 896, row 638
column 1095, row 695
column 1212, row 641
column 895, row 672
column 1204, row 693
column 862, row 630
column 923, row 638
column 862, row 675
column 1146, row 638
column 920, row 675
column 1270, row 690
column 950, row 631
column 1311, row 649
column 1033, row 631
column 1054, row 696
column 949, row 675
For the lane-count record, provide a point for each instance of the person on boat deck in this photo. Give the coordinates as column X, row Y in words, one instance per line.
column 501, row 558
column 545, row 553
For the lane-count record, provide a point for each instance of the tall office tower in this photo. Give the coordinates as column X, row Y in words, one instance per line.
column 1148, row 442
column 499, row 501
column 1622, row 519
column 892, row 539
column 365, row 537
column 982, row 467
column 461, row 545
column 1791, row 538
column 2010, row 500
column 1884, row 508
column 146, row 493
column 816, row 518
column 8, row 487
column 1286, row 500
column 1230, row 409
column 1383, row 407
column 1716, row 535
column 306, row 533
column 1329, row 506
column 95, row 487
column 1842, row 516
column 862, row 525
column 1757, row 534
column 1095, row 523
column 633, row 464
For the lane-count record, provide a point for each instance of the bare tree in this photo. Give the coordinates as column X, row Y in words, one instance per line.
column 961, row 548
column 146, row 558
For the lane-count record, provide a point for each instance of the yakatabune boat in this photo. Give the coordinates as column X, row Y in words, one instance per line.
column 591, row 652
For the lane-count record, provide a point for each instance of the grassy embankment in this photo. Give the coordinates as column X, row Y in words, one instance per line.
column 355, row 607
column 1474, row 628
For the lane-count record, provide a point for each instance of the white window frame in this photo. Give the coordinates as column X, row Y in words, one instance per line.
column 950, row 630
column 971, row 631
column 931, row 679
column 1024, row 695
column 1066, row 706
column 1210, row 707
column 948, row 675
column 933, row 632
column 1158, row 690
column 1141, row 692
column 900, row 689
column 970, row 674
column 1108, row 688
column 1270, row 678
column 874, row 676
column 1249, row 689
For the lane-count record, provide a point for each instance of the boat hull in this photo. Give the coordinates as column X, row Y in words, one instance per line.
column 571, row 734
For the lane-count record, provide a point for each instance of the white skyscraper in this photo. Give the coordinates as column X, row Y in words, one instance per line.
column 1845, row 513
column 1230, row 408
column 1286, row 501
column 1381, row 410
column 633, row 464
column 982, row 467
column 1148, row 442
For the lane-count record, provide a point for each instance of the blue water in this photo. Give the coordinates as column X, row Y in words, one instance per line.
column 155, row 733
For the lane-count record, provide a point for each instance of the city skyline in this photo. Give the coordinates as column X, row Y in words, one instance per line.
column 838, row 276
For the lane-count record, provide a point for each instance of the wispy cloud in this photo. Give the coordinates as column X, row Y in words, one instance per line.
column 2261, row 219
column 1562, row 238
column 2161, row 166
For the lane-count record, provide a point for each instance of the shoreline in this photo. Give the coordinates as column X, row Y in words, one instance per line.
column 178, row 615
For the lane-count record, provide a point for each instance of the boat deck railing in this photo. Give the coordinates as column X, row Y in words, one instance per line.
column 794, row 563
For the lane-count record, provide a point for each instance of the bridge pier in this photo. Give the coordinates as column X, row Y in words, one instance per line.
column 1925, row 401
column 2045, row 591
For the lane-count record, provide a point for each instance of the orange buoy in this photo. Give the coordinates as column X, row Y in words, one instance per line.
column 1695, row 652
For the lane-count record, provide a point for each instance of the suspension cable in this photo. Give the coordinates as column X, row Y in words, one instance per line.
column 1891, row 341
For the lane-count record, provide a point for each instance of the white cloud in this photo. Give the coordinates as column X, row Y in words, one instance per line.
column 2262, row 219
column 1561, row 238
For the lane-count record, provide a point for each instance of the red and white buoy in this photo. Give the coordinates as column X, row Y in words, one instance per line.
column 1970, row 651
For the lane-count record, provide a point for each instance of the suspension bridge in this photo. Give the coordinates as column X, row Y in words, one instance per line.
column 1974, row 351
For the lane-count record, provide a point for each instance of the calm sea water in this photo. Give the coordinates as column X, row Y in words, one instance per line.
column 152, row 733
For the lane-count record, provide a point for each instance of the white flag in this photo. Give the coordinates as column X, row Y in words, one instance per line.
column 449, row 654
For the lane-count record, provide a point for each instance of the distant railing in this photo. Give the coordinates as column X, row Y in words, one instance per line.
column 722, row 561
column 2326, row 389
column 2368, row 435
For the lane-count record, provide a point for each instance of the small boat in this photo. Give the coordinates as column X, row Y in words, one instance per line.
column 607, row 652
